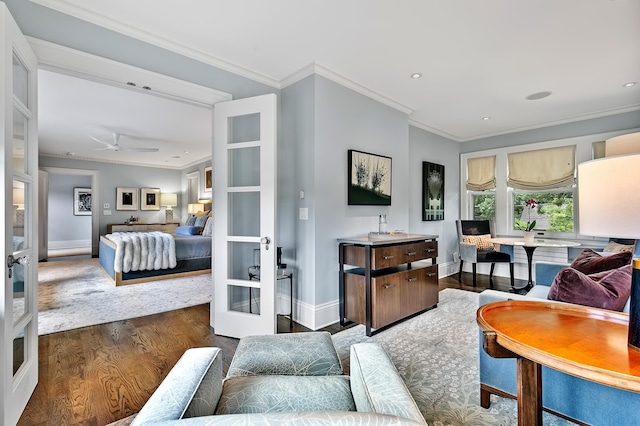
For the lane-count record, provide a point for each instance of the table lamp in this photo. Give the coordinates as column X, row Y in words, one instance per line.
column 194, row 208
column 609, row 207
column 18, row 201
column 168, row 200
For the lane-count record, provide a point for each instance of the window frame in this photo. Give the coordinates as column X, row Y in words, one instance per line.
column 504, row 196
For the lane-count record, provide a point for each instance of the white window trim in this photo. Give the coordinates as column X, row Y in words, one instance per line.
column 504, row 194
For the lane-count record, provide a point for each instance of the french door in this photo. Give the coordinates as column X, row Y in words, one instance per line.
column 244, row 187
column 19, row 190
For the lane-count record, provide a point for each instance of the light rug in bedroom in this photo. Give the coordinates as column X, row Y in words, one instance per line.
column 77, row 293
column 436, row 353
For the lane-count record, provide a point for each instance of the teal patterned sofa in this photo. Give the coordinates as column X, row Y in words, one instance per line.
column 283, row 379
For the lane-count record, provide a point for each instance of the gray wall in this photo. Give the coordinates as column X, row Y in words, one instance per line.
column 426, row 146
column 111, row 176
column 64, row 227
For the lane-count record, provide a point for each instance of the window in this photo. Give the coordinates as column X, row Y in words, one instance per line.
column 484, row 205
column 554, row 212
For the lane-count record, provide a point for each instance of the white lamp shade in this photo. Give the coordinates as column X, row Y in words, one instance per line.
column 18, row 197
column 623, row 144
column 609, row 205
column 195, row 208
column 168, row 200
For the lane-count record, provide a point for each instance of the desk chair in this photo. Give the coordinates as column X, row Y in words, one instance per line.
column 475, row 246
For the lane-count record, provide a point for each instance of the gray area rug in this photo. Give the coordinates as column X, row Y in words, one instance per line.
column 436, row 353
column 77, row 293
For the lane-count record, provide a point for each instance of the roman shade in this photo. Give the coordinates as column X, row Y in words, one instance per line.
column 481, row 173
column 543, row 168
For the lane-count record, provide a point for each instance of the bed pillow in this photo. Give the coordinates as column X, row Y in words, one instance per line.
column 201, row 221
column 589, row 262
column 613, row 247
column 482, row 242
column 188, row 230
column 191, row 220
column 208, row 228
column 607, row 289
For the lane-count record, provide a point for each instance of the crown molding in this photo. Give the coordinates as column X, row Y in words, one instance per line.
column 123, row 163
column 315, row 68
column 433, row 130
column 156, row 40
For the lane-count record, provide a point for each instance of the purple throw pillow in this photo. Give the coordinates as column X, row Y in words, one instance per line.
column 589, row 262
column 606, row 289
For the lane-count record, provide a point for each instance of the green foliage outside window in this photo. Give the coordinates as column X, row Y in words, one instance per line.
column 484, row 206
column 554, row 212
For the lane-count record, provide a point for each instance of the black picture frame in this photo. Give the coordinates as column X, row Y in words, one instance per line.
column 82, row 201
column 432, row 191
column 368, row 179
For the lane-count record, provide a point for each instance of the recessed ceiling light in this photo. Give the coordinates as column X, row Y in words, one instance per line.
column 186, row 152
column 629, row 84
column 416, row 75
column 536, row 96
column 486, row 118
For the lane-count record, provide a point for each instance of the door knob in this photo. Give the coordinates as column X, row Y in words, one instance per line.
column 266, row 241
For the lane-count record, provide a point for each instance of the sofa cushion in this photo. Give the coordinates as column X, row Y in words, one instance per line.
column 262, row 394
column 589, row 262
column 613, row 247
column 295, row 354
column 606, row 289
column 482, row 242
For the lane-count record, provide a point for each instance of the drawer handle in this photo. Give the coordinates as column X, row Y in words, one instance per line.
column 412, row 279
column 387, row 257
column 429, row 250
column 412, row 253
column 431, row 274
column 389, row 286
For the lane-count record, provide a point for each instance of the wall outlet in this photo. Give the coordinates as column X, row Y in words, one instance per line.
column 106, row 205
column 107, row 212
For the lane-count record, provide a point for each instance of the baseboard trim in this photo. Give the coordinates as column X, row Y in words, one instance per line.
column 69, row 244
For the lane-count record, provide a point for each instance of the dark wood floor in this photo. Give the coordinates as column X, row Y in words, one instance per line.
column 96, row 375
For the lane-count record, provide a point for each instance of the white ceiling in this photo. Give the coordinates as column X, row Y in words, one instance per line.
column 478, row 58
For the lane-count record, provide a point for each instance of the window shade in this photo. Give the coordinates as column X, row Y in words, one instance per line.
column 542, row 168
column 481, row 173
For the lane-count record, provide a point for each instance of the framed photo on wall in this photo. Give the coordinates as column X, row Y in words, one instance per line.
column 82, row 201
column 369, row 179
column 208, row 179
column 149, row 198
column 432, row 191
column 126, row 198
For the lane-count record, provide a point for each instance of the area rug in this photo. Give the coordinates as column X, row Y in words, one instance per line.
column 436, row 353
column 77, row 293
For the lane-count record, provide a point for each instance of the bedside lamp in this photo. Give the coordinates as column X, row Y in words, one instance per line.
column 18, row 201
column 194, row 208
column 609, row 207
column 168, row 200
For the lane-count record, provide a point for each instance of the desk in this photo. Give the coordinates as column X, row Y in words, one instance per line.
column 587, row 343
column 530, row 248
column 281, row 274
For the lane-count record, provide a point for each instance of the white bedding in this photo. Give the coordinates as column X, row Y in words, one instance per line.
column 140, row 251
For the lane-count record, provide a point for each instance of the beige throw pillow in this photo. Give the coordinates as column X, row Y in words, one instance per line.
column 482, row 242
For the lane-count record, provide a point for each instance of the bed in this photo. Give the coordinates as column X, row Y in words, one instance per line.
column 192, row 257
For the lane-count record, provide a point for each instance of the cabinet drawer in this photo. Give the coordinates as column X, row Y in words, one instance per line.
column 385, row 257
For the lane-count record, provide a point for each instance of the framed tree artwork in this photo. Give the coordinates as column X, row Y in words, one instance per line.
column 369, row 179
column 208, row 179
column 126, row 198
column 432, row 191
column 149, row 198
column 82, row 201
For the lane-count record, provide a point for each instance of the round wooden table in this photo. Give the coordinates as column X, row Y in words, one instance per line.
column 585, row 342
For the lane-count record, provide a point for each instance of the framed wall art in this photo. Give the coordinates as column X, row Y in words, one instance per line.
column 369, row 179
column 149, row 198
column 432, row 191
column 82, row 201
column 126, row 198
column 208, row 179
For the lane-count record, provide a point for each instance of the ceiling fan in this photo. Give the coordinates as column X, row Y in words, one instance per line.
column 115, row 146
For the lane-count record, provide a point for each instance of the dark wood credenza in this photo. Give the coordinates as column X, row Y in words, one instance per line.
column 381, row 284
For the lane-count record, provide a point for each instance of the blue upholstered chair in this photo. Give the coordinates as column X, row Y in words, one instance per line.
column 474, row 247
column 286, row 379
